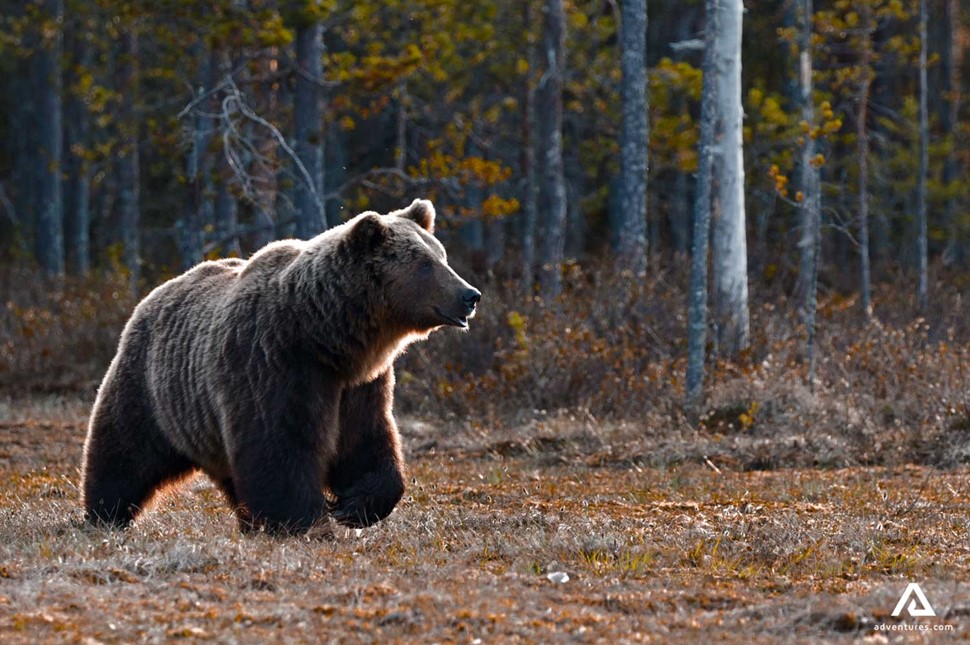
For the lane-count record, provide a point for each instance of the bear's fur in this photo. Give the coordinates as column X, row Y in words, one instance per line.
column 274, row 376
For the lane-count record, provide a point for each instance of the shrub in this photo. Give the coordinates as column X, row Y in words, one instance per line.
column 890, row 390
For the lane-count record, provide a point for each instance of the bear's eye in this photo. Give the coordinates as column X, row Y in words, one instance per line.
column 426, row 267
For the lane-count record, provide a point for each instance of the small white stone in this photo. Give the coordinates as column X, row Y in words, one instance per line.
column 558, row 576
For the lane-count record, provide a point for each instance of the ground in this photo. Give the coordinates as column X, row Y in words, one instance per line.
column 526, row 534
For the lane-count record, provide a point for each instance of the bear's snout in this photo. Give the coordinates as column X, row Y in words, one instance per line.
column 471, row 299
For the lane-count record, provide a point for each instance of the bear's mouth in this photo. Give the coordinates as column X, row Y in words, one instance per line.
column 454, row 321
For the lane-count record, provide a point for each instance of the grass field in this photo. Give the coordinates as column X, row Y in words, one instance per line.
column 688, row 551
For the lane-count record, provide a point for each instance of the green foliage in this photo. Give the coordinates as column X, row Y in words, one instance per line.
column 673, row 132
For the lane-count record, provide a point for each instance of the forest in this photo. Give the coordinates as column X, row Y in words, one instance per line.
column 721, row 366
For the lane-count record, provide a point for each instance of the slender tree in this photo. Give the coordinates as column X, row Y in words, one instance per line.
column 924, row 162
column 808, row 172
column 528, row 146
column 49, row 229
column 77, row 132
column 730, row 252
column 199, row 165
column 20, row 143
column 862, row 153
column 308, row 121
column 634, row 137
column 129, row 174
column 952, row 79
column 226, row 214
column 697, row 330
column 811, row 190
column 553, row 183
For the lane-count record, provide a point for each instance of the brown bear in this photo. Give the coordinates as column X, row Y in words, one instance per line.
column 274, row 376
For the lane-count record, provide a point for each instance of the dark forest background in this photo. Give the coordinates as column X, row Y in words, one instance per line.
column 139, row 138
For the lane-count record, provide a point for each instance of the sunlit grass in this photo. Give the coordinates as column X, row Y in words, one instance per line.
column 682, row 550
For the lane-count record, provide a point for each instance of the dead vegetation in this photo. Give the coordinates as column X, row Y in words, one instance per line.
column 684, row 551
column 559, row 490
column 892, row 391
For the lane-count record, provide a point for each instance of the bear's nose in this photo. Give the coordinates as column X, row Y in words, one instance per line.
column 471, row 298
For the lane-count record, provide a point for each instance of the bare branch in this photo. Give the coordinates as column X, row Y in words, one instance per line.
column 235, row 96
column 691, row 45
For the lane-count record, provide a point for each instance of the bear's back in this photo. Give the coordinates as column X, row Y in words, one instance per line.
column 175, row 323
column 270, row 260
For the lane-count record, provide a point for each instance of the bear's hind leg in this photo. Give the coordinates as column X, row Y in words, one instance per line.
column 243, row 516
column 126, row 459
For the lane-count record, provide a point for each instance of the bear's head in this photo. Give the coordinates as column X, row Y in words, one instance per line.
column 421, row 291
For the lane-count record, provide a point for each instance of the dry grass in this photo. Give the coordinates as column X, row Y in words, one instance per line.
column 665, row 552
column 548, row 440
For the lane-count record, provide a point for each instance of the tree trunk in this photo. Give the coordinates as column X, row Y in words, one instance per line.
column 401, row 125
column 494, row 243
column 811, row 197
column 634, row 137
column 955, row 252
column 335, row 174
column 924, row 162
column 198, row 169
column 809, row 174
column 77, row 189
column 862, row 143
column 308, row 122
column 128, row 170
column 49, row 231
column 549, row 104
column 530, row 195
column 575, row 244
column 697, row 325
column 20, row 142
column 730, row 243
column 679, row 215
column 227, row 218
column 265, row 196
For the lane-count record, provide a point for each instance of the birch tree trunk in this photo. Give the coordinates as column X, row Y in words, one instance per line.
column 862, row 146
column 811, row 197
column 49, row 231
column 308, row 122
column 730, row 252
column 924, row 162
column 697, row 322
column 128, row 170
column 809, row 174
column 549, row 104
column 632, row 252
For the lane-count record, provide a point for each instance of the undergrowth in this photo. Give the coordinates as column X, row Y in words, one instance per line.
column 889, row 390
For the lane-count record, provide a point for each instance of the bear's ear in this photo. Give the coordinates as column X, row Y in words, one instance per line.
column 369, row 232
column 420, row 211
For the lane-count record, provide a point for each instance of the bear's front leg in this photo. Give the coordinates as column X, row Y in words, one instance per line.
column 367, row 477
column 279, row 452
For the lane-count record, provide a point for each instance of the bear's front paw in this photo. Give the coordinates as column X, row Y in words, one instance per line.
column 368, row 501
